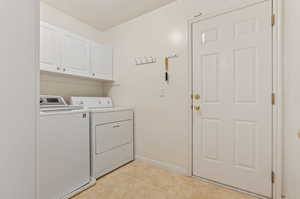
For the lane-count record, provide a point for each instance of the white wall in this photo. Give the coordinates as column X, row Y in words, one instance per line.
column 161, row 122
column 292, row 98
column 66, row 86
column 19, row 97
column 53, row 84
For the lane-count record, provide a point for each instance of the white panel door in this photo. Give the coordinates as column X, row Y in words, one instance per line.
column 102, row 61
column 50, row 58
column 75, row 55
column 232, row 73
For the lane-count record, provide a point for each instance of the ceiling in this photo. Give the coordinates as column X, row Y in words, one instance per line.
column 104, row 14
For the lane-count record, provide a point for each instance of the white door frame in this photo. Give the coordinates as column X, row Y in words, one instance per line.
column 277, row 89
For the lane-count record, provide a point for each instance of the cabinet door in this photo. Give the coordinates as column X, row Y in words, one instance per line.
column 49, row 48
column 102, row 61
column 75, row 55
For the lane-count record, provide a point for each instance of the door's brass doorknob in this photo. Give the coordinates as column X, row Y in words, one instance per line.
column 197, row 108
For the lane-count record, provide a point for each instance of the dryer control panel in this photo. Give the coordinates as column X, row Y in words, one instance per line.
column 92, row 102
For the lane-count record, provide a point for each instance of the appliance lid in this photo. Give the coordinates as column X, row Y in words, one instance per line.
column 92, row 102
column 48, row 109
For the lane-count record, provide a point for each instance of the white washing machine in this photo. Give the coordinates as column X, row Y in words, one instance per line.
column 63, row 149
column 112, row 143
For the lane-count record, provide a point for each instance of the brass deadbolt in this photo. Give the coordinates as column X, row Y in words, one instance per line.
column 196, row 96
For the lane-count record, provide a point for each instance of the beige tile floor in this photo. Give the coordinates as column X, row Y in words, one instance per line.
column 142, row 181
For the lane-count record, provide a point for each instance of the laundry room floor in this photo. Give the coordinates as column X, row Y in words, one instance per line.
column 139, row 180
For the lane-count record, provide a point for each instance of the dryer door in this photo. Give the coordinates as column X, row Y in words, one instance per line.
column 110, row 136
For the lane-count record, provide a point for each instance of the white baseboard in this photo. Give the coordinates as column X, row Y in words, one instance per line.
column 230, row 188
column 81, row 189
column 164, row 165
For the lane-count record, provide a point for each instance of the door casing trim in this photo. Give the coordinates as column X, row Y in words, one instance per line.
column 277, row 89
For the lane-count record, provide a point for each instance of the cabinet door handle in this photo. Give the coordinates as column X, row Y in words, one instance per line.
column 94, row 74
column 58, row 68
column 64, row 70
column 117, row 126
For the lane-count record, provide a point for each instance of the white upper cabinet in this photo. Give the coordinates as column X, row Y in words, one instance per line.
column 68, row 53
column 101, row 61
column 75, row 55
column 50, row 55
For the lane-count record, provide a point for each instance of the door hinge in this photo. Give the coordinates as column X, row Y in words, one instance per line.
column 273, row 99
column 273, row 177
column 273, row 19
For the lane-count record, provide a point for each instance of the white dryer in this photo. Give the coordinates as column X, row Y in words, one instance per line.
column 112, row 143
